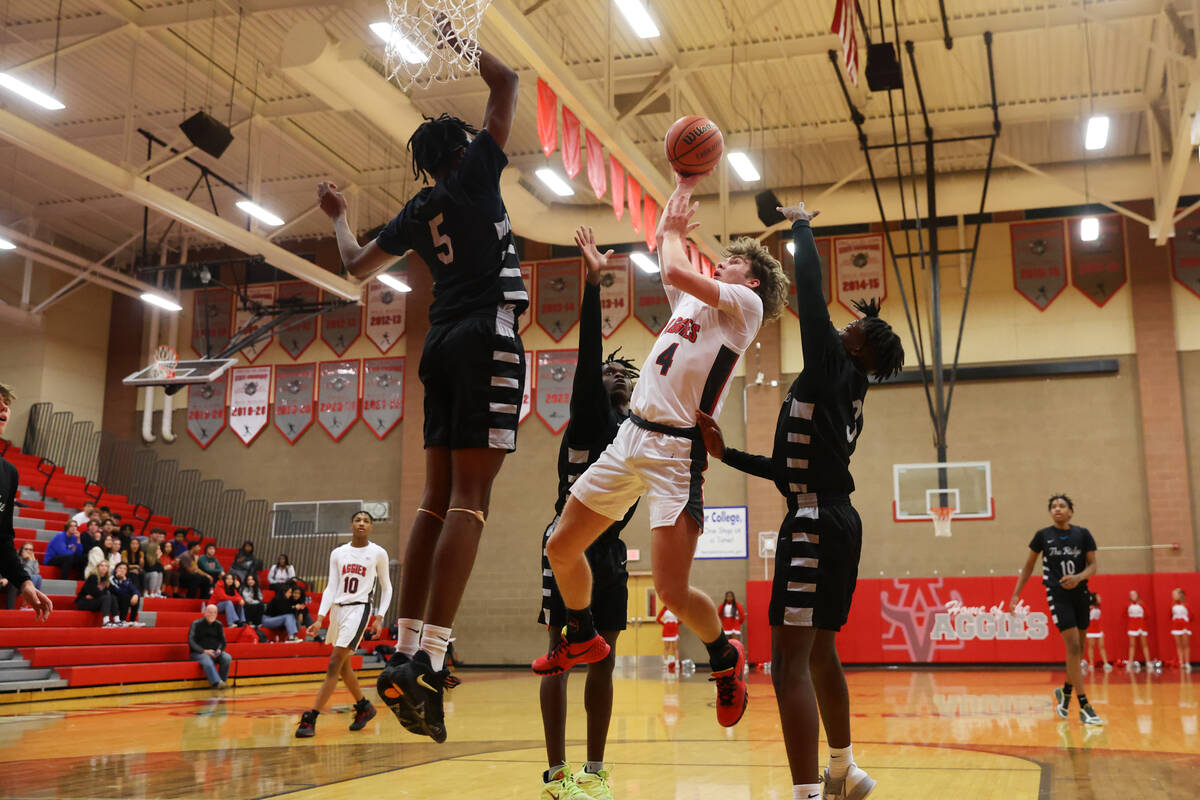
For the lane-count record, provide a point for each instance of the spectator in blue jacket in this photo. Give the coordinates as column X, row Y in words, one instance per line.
column 65, row 551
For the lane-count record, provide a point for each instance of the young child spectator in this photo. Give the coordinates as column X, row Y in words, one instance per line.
column 229, row 600
column 209, row 564
column 252, row 596
column 280, row 613
column 65, row 551
column 245, row 562
column 281, row 574
column 128, row 598
column 96, row 595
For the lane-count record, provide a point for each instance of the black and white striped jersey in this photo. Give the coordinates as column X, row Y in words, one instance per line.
column 1064, row 552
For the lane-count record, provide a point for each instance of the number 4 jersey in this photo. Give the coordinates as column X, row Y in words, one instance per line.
column 353, row 575
column 1064, row 552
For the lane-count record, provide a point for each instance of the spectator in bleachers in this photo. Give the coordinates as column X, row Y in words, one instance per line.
column 85, row 514
column 125, row 534
column 106, row 552
column 97, row 595
column 91, row 536
column 10, row 478
column 279, row 613
column 253, row 599
column 30, row 565
column 134, row 555
column 65, row 551
column 206, row 640
column 171, row 571
column 245, row 562
column 128, row 597
column 281, row 574
column 152, row 563
column 300, row 604
column 107, row 527
column 209, row 564
column 179, row 545
column 228, row 597
column 193, row 582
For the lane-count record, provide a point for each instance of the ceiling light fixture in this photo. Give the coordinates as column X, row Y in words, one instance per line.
column 743, row 166
column 259, row 213
column 645, row 262
column 393, row 39
column 1096, row 135
column 1089, row 229
column 5, row 244
column 161, row 302
column 31, row 94
column 638, row 18
column 554, row 182
column 394, row 282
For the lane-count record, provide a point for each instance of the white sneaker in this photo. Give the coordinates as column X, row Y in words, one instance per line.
column 855, row 786
column 1108, row 667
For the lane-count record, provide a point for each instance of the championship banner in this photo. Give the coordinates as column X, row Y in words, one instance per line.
column 650, row 303
column 1185, row 253
column 527, row 395
column 249, row 401
column 383, row 394
column 264, row 294
column 212, row 313
column 386, row 315
column 558, row 290
column 555, row 375
column 337, row 396
column 614, row 295
column 824, row 249
column 1098, row 267
column 527, row 318
column 860, row 270
column 206, row 411
column 340, row 327
column 297, row 337
column 294, row 409
column 1039, row 256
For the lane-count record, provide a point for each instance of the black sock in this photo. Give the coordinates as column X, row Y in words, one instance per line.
column 1082, row 698
column 579, row 625
column 721, row 654
column 1067, row 693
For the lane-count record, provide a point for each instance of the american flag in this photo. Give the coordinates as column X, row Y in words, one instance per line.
column 843, row 26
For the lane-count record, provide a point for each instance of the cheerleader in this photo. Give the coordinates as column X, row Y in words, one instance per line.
column 1136, row 614
column 670, row 637
column 1095, row 636
column 1181, row 628
column 733, row 615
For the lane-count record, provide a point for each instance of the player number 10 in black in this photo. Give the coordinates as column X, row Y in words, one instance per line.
column 350, row 585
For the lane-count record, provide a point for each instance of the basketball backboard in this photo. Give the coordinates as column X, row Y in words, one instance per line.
column 201, row 370
column 965, row 486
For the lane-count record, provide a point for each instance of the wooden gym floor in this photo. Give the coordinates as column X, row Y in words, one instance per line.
column 937, row 734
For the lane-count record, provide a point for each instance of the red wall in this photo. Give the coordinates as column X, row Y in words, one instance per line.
column 905, row 621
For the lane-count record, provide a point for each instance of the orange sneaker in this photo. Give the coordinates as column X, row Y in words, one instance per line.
column 567, row 654
column 731, row 689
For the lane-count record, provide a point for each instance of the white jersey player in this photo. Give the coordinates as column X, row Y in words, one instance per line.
column 355, row 570
column 658, row 451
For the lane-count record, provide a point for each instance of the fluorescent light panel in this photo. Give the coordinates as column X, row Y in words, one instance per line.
column 5, row 244
column 259, row 213
column 394, row 282
column 403, row 47
column 1096, row 135
column 645, row 262
column 638, row 18
column 31, row 94
column 161, row 302
column 743, row 166
column 554, row 182
column 1089, row 229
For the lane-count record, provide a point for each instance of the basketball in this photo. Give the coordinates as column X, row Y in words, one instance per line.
column 694, row 145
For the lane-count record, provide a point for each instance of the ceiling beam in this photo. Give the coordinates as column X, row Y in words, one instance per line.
column 1182, row 155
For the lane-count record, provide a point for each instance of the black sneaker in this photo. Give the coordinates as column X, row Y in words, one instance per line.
column 364, row 712
column 421, row 689
column 390, row 688
column 308, row 725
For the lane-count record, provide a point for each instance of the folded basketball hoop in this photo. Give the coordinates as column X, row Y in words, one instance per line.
column 941, row 520
column 432, row 41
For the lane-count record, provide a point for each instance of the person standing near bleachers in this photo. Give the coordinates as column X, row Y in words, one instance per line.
column 206, row 640
column 10, row 564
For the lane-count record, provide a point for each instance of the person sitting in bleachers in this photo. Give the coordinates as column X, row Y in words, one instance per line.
column 30, row 565
column 192, row 580
column 91, row 538
column 104, row 552
column 133, row 555
column 245, row 562
column 206, row 641
column 97, row 595
column 65, row 551
column 300, row 604
column 209, row 564
column 152, row 562
column 85, row 514
column 125, row 535
column 253, row 599
column 128, row 598
column 279, row 613
column 281, row 574
column 179, row 545
column 228, row 597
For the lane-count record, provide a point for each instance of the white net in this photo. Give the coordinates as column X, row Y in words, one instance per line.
column 941, row 520
column 165, row 361
column 432, row 41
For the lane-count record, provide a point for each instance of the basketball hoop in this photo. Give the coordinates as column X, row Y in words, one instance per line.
column 165, row 360
column 432, row 41
column 941, row 520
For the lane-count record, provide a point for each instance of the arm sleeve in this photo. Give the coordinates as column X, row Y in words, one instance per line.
column 10, row 564
column 758, row 466
column 589, row 401
column 331, row 587
column 815, row 325
column 385, row 582
column 193, row 645
column 393, row 239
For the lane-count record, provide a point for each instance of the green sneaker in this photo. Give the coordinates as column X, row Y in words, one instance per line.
column 1062, row 704
column 562, row 786
column 595, row 784
column 1089, row 717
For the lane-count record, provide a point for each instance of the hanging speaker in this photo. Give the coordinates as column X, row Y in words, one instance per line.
column 207, row 133
column 766, row 203
column 883, row 70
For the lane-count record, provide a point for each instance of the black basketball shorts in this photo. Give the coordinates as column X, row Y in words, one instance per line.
column 816, row 567
column 1069, row 608
column 610, row 585
column 473, row 370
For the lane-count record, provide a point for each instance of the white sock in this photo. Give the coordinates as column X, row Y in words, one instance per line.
column 409, row 636
column 434, row 641
column 593, row 766
column 840, row 759
column 806, row 791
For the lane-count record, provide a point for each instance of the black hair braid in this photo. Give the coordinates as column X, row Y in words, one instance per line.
column 434, row 141
column 885, row 346
column 631, row 369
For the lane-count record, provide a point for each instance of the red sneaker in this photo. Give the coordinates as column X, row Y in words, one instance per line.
column 731, row 689
column 567, row 654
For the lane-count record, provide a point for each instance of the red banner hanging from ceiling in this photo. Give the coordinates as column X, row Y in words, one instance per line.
column 635, row 204
column 595, row 165
column 547, row 117
column 616, row 175
column 706, row 266
column 650, row 221
column 572, row 153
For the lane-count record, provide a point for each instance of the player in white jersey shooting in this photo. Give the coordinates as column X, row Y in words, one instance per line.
column 658, row 450
column 355, row 569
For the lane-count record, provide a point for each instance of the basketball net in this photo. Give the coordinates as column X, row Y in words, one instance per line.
column 433, row 41
column 941, row 520
column 165, row 361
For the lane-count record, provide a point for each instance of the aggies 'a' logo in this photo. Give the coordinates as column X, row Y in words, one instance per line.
column 687, row 328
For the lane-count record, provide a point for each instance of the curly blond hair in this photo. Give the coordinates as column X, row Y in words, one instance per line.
column 7, row 394
column 772, row 280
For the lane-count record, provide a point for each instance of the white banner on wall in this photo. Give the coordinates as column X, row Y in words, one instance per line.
column 726, row 533
column 249, row 401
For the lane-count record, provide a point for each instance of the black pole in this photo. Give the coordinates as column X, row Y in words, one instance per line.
column 146, row 209
column 947, row 39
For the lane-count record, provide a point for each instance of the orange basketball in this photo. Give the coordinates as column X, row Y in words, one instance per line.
column 694, row 145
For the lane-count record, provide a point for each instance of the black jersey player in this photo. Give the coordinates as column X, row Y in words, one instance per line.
column 816, row 561
column 1068, row 554
column 599, row 404
column 472, row 368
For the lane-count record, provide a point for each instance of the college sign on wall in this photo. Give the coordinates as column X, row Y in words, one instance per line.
column 249, row 401
column 1039, row 260
column 206, row 411
column 726, row 533
column 383, row 394
column 337, row 397
column 294, row 409
column 555, row 376
column 298, row 336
